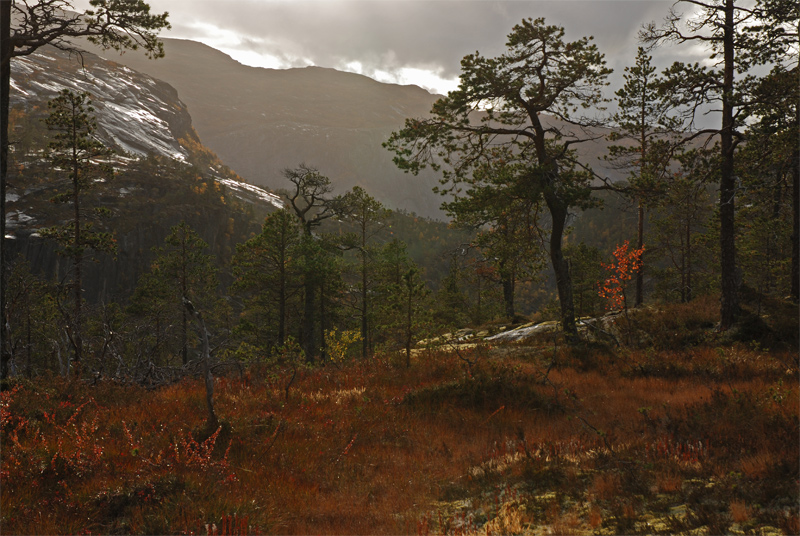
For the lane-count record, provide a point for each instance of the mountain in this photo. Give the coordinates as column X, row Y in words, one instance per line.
column 163, row 173
column 260, row 121
column 136, row 113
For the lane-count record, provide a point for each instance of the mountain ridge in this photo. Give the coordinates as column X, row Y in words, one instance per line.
column 141, row 115
column 261, row 121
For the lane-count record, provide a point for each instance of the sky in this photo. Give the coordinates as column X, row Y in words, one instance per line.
column 401, row 41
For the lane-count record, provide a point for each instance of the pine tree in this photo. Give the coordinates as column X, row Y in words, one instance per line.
column 76, row 152
column 267, row 269
column 187, row 273
column 500, row 107
column 312, row 203
column 643, row 120
column 368, row 216
column 738, row 37
column 769, row 167
column 31, row 304
column 412, row 293
column 401, row 298
column 680, row 216
column 154, row 303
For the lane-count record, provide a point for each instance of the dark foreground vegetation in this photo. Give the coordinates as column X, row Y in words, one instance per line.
column 694, row 434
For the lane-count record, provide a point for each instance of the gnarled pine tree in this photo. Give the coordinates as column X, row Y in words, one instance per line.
column 502, row 103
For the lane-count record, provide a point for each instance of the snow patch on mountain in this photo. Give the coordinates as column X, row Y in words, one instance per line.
column 137, row 114
column 133, row 111
column 246, row 191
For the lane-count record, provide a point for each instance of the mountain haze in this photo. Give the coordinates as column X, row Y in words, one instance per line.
column 260, row 121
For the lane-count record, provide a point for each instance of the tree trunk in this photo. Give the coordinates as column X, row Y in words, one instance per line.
column 688, row 262
column 683, row 271
column 184, row 342
column 558, row 212
column 729, row 302
column 157, row 347
column 795, row 288
column 184, row 292
column 508, row 296
column 639, row 245
column 479, row 305
column 307, row 330
column 409, row 308
column 364, row 321
column 643, row 125
column 78, row 259
column 212, row 423
column 323, row 346
column 28, row 345
column 282, row 305
column 5, row 85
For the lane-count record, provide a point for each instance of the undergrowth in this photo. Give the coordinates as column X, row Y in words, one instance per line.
column 697, row 439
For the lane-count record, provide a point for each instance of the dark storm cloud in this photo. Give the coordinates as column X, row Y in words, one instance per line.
column 387, row 35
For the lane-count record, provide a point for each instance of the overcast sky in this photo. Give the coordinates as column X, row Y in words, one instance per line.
column 403, row 41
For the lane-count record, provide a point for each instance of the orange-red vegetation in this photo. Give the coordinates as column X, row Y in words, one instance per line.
column 375, row 448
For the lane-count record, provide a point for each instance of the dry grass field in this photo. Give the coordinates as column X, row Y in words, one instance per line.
column 688, row 435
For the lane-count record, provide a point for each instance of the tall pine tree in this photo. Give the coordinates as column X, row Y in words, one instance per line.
column 506, row 102
column 268, row 274
column 368, row 216
column 76, row 152
column 738, row 36
column 644, row 121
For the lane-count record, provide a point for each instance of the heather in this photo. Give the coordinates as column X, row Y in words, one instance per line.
column 537, row 436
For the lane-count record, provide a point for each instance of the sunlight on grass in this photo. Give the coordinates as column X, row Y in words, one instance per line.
column 374, row 448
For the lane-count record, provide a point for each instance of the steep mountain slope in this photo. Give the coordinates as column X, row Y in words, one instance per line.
column 261, row 121
column 137, row 114
column 163, row 174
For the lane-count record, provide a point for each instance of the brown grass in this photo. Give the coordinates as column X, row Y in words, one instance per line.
column 740, row 512
column 758, row 465
column 668, row 482
column 375, row 449
column 605, row 487
column 568, row 524
column 595, row 517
